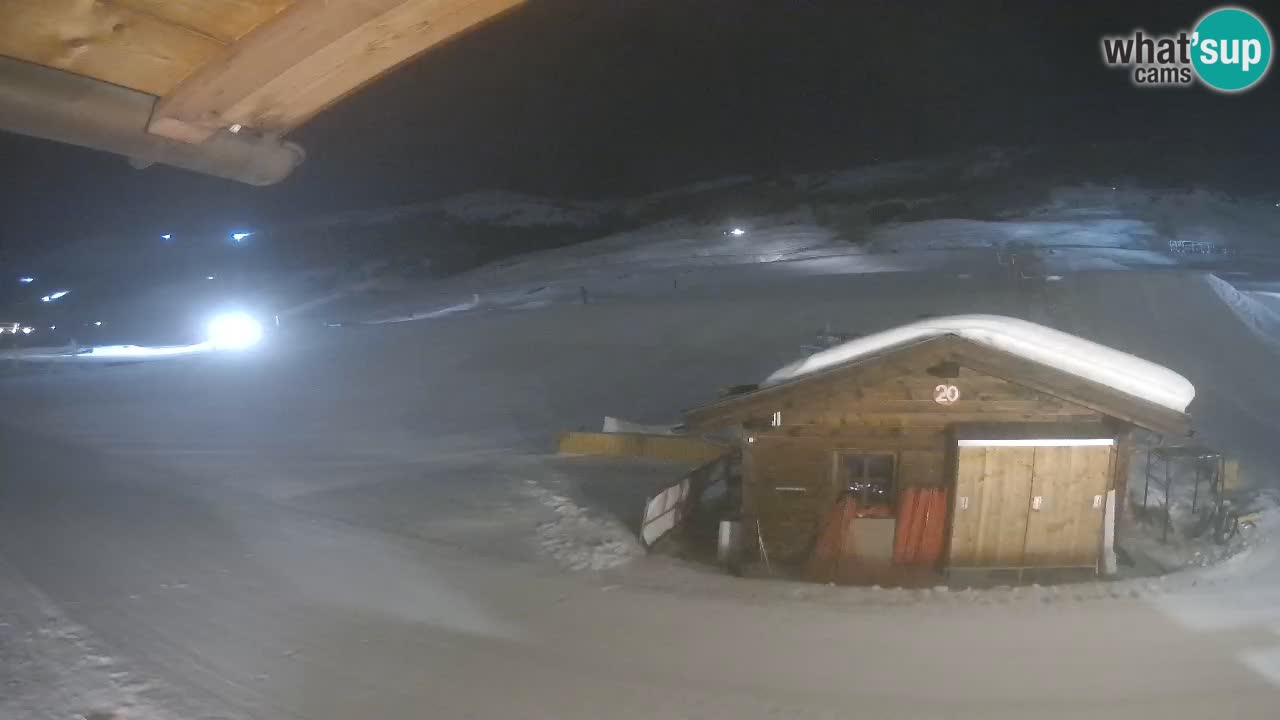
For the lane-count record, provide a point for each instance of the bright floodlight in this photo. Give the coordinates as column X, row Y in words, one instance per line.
column 737, row 232
column 26, row 280
column 240, row 236
column 234, row 331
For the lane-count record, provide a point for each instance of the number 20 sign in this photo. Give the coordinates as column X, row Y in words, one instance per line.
column 946, row 394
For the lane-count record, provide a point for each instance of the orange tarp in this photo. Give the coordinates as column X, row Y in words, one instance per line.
column 834, row 557
column 921, row 530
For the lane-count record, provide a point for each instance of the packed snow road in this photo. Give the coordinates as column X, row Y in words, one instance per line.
column 353, row 522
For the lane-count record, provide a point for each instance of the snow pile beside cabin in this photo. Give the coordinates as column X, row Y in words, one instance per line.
column 1053, row 348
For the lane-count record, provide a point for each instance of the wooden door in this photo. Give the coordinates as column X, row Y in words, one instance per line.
column 1068, row 502
column 1030, row 503
column 990, row 509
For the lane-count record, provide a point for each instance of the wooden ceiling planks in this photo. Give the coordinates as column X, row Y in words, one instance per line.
column 105, row 41
column 309, row 57
column 223, row 20
column 269, row 65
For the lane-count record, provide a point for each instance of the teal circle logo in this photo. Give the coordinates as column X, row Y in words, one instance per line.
column 1231, row 49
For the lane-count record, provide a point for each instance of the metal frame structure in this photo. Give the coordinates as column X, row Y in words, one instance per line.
column 1206, row 461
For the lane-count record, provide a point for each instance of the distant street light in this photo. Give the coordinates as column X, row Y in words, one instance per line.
column 167, row 236
column 54, row 296
column 26, row 280
column 240, row 236
column 97, row 323
column 27, row 330
column 737, row 232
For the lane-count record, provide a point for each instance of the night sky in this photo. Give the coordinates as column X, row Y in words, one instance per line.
column 600, row 97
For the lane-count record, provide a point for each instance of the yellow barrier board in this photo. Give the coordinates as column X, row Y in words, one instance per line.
column 662, row 447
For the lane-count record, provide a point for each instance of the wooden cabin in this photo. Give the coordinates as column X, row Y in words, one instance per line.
column 1022, row 456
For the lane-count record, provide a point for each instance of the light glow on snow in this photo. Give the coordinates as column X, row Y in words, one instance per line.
column 234, row 331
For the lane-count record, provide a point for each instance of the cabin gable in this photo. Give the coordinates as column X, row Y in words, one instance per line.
column 919, row 397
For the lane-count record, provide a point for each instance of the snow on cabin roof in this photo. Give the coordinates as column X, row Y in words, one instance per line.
column 1068, row 353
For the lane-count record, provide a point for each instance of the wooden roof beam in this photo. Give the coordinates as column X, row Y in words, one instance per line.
column 307, row 58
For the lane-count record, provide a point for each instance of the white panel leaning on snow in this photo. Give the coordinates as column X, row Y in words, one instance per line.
column 1084, row 358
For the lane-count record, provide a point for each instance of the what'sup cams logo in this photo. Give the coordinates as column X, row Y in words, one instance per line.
column 1229, row 50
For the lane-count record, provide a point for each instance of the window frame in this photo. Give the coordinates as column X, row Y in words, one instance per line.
column 839, row 478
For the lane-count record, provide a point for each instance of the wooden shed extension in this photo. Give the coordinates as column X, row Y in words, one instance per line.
column 1022, row 451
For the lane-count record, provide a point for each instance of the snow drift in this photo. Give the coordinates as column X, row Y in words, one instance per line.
column 1070, row 354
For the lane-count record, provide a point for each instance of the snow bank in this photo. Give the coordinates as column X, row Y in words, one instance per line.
column 106, row 353
column 1259, row 317
column 1075, row 355
column 54, row 668
column 437, row 312
column 577, row 538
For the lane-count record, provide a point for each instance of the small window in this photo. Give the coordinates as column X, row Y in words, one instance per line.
column 868, row 477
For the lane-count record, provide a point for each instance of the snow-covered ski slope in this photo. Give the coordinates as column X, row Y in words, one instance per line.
column 1095, row 237
column 363, row 520
column 390, row 481
column 517, row 364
